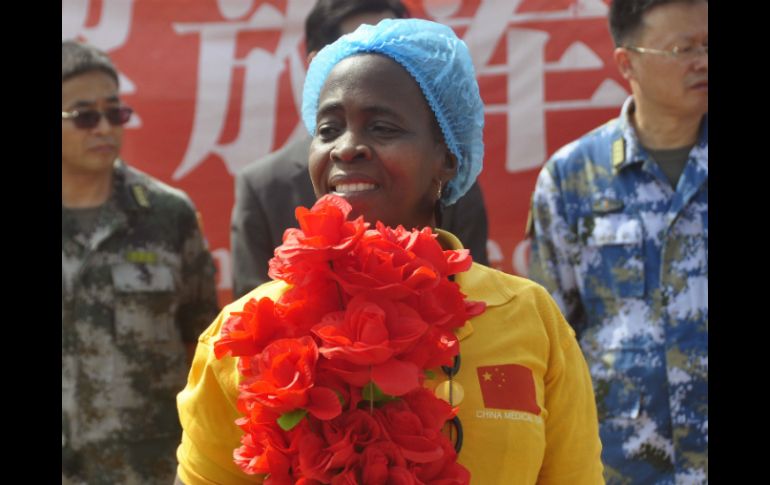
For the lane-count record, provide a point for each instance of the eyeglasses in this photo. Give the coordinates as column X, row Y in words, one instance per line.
column 682, row 53
column 90, row 118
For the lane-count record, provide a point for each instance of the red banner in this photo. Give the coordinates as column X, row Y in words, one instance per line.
column 216, row 84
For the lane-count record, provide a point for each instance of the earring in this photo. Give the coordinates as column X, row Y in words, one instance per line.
column 438, row 193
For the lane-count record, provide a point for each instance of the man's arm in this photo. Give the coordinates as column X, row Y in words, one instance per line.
column 552, row 243
column 198, row 304
column 250, row 239
column 467, row 219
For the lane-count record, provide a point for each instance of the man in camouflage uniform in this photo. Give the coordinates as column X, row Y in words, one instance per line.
column 619, row 236
column 137, row 289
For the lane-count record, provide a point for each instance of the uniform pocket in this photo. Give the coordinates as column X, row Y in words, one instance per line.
column 615, row 374
column 145, row 304
column 614, row 256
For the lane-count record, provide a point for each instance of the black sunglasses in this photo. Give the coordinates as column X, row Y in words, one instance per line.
column 89, row 118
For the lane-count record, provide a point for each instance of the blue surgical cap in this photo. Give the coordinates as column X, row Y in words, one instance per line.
column 440, row 63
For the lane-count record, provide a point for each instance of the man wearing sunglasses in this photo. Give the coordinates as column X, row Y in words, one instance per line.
column 137, row 289
column 619, row 236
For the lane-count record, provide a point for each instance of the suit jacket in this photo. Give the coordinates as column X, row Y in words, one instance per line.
column 269, row 189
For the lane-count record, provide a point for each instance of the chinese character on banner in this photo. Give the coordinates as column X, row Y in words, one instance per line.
column 217, row 84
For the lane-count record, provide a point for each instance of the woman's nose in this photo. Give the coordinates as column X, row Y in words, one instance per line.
column 350, row 148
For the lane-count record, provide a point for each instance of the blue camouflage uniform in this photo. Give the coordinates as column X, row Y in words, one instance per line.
column 626, row 257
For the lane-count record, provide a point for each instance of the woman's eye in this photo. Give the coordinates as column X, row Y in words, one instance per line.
column 327, row 131
column 385, row 130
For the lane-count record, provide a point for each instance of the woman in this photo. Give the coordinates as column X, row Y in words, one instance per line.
column 339, row 369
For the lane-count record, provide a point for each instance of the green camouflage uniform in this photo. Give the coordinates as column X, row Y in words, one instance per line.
column 134, row 290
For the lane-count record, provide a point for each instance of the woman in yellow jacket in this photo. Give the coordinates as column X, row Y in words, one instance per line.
column 397, row 122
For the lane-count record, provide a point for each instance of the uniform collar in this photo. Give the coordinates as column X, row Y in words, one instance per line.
column 626, row 150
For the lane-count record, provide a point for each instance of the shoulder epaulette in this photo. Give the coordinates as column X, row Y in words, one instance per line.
column 140, row 195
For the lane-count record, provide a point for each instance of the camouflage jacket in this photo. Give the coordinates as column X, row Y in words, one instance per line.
column 626, row 257
column 133, row 291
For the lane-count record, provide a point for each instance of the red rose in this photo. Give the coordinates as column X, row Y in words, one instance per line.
column 424, row 245
column 384, row 269
column 394, row 377
column 357, row 427
column 356, row 376
column 263, row 450
column 320, row 461
column 377, row 305
column 286, row 379
column 324, row 235
column 265, row 447
column 445, row 306
column 248, row 331
column 436, row 347
column 445, row 470
column 432, row 411
column 348, row 477
column 415, row 442
column 301, row 307
column 382, row 463
column 369, row 332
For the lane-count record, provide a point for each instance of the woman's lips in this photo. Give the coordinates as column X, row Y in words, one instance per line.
column 352, row 184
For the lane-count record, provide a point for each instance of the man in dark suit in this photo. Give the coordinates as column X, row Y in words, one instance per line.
column 268, row 190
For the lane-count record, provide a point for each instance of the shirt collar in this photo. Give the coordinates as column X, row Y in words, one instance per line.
column 627, row 150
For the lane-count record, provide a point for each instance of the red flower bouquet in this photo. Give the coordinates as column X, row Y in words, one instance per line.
column 331, row 389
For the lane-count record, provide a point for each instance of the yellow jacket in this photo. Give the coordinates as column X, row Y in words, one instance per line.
column 528, row 411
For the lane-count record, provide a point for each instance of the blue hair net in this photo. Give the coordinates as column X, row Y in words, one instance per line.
column 440, row 63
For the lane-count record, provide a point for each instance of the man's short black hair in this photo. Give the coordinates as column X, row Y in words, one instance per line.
column 322, row 26
column 78, row 58
column 626, row 16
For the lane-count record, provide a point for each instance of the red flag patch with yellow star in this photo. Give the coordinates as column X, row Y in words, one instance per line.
column 508, row 386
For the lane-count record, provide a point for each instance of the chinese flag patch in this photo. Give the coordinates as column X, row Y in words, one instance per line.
column 508, row 386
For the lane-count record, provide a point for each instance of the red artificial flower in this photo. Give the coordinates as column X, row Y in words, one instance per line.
column 432, row 411
column 383, row 464
column 445, row 306
column 286, row 379
column 382, row 268
column 324, row 235
column 394, row 377
column 318, row 460
column 263, row 449
column 368, row 310
column 247, row 332
column 424, row 246
column 404, row 428
column 348, row 477
column 357, row 427
column 437, row 347
column 369, row 331
column 444, row 471
column 302, row 307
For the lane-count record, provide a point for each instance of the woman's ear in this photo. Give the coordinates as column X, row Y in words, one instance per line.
column 448, row 168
